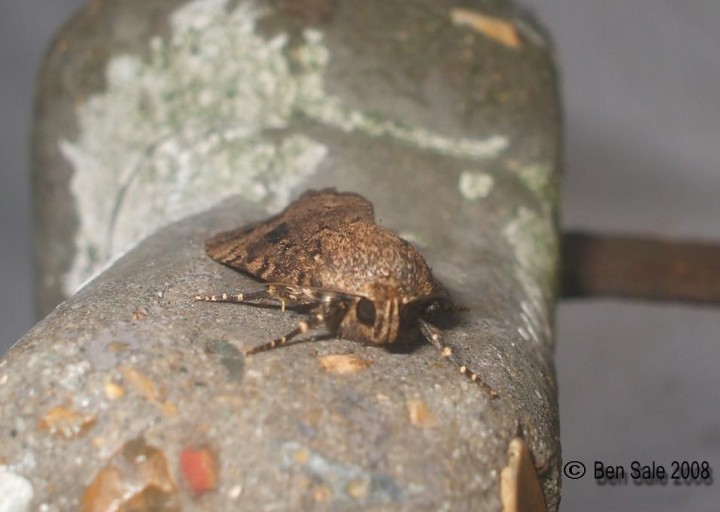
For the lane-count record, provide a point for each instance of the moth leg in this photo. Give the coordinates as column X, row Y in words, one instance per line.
column 433, row 335
column 315, row 318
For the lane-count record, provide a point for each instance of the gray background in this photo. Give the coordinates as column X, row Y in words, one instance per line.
column 642, row 94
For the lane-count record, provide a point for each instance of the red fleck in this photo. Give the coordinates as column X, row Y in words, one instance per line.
column 199, row 466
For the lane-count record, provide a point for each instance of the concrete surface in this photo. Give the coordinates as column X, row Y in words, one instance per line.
column 150, row 112
column 640, row 86
column 133, row 361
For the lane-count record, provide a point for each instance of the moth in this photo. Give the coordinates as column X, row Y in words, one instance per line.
column 325, row 256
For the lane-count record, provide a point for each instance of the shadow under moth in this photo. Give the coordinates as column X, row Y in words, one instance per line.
column 325, row 256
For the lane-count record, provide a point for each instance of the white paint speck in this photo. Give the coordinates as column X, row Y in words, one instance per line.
column 235, row 492
column 16, row 492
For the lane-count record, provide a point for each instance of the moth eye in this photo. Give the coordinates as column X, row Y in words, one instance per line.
column 365, row 311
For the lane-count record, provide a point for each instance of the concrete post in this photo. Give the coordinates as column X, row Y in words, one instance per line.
column 445, row 118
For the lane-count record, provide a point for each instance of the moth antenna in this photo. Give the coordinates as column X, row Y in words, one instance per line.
column 284, row 295
column 224, row 297
column 433, row 335
column 251, row 299
column 280, row 293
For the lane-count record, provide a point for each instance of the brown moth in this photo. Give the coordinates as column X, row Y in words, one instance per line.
column 325, row 255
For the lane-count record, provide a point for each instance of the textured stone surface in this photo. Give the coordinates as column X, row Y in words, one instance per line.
column 450, row 133
column 134, row 352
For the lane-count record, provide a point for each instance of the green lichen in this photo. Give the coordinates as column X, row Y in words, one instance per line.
column 534, row 242
column 475, row 185
column 541, row 179
column 186, row 127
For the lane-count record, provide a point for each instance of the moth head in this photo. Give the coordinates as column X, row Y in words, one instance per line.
column 383, row 315
column 375, row 321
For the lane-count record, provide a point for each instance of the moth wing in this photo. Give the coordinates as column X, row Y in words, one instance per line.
column 284, row 248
